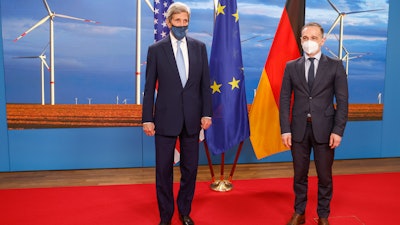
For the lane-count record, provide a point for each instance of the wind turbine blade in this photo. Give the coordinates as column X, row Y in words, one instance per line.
column 265, row 39
column 149, row 4
column 345, row 49
column 45, row 48
column 250, row 38
column 32, row 28
column 334, row 7
column 75, row 18
column 371, row 10
column 47, row 7
column 333, row 25
column 330, row 51
column 26, row 57
column 359, row 55
column 43, row 59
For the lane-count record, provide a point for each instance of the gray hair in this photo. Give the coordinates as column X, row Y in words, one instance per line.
column 177, row 7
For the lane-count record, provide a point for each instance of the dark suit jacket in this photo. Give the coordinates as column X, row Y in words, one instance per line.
column 330, row 83
column 175, row 105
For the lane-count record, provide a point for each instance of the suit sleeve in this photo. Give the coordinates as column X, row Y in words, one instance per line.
column 342, row 96
column 205, row 85
column 284, row 101
column 150, row 85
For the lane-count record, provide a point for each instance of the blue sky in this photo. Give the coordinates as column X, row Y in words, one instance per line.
column 97, row 61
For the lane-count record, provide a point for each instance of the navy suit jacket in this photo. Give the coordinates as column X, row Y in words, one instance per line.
column 330, row 84
column 176, row 106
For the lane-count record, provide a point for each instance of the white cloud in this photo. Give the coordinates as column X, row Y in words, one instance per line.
column 359, row 37
column 327, row 16
column 272, row 11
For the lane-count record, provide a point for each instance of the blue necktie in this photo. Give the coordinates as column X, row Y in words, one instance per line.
column 181, row 64
column 311, row 73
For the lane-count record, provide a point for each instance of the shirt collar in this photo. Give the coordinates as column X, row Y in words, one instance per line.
column 317, row 56
column 174, row 40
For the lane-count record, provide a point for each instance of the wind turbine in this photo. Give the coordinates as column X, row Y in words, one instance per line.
column 347, row 57
column 340, row 18
column 43, row 63
column 379, row 98
column 51, row 15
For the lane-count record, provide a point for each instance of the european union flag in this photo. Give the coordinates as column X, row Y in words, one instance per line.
column 230, row 124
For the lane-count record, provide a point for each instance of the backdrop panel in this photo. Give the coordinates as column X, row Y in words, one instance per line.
column 84, row 148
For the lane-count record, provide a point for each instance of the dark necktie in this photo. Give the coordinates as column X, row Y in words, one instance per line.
column 311, row 72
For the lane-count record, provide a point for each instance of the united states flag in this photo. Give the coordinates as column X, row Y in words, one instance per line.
column 160, row 25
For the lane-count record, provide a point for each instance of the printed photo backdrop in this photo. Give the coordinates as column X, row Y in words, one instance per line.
column 94, row 62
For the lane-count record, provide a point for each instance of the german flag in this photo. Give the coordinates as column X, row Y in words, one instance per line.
column 265, row 133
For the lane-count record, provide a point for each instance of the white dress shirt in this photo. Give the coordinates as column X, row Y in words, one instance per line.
column 184, row 49
column 308, row 63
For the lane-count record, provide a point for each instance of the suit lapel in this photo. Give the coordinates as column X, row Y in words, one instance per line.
column 322, row 65
column 192, row 55
column 300, row 67
column 170, row 57
column 169, row 51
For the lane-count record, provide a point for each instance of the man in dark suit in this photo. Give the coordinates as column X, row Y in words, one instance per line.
column 182, row 107
column 311, row 121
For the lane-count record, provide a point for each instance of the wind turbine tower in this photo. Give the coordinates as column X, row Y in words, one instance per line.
column 51, row 15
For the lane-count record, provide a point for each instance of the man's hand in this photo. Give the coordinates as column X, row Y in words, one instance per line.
column 148, row 128
column 334, row 140
column 287, row 140
column 205, row 122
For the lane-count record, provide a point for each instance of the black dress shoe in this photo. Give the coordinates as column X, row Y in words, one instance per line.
column 165, row 223
column 186, row 220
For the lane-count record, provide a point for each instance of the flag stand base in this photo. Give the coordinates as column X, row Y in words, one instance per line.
column 221, row 186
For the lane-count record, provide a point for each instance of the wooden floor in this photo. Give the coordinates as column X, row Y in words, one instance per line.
column 146, row 175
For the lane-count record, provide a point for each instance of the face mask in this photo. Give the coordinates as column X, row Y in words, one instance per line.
column 310, row 47
column 179, row 32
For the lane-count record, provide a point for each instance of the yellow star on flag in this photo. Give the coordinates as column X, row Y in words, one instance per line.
column 215, row 87
column 234, row 83
column 236, row 15
column 220, row 9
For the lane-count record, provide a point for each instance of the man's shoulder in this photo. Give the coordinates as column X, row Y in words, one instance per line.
column 161, row 42
column 330, row 59
column 194, row 41
column 294, row 61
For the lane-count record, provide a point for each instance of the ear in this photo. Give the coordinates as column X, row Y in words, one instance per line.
column 169, row 24
column 323, row 41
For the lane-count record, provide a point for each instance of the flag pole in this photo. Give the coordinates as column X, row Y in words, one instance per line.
column 138, row 49
column 222, row 185
column 209, row 161
column 138, row 46
column 235, row 162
